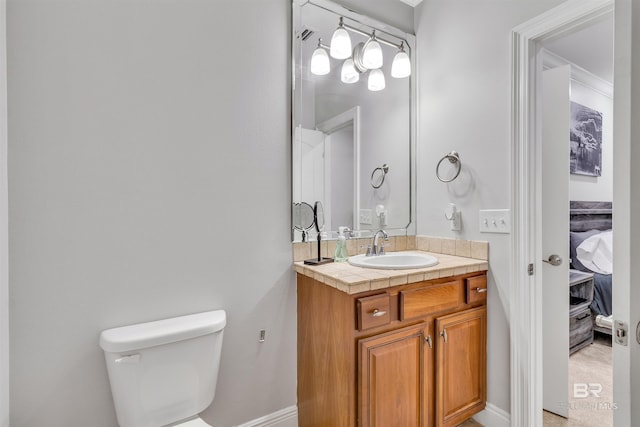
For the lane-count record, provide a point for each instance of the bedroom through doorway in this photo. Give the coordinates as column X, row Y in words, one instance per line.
column 587, row 362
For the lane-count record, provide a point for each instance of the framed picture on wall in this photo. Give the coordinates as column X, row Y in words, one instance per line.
column 585, row 157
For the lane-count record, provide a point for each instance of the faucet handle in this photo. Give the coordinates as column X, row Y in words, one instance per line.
column 368, row 249
column 381, row 251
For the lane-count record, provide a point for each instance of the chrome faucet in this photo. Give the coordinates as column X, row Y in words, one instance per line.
column 375, row 250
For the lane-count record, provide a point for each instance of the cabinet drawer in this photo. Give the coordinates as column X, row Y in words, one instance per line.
column 580, row 328
column 373, row 311
column 422, row 302
column 476, row 289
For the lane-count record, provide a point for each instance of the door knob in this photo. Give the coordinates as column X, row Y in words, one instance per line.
column 554, row 260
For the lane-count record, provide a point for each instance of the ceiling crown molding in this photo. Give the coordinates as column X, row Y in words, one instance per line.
column 413, row 3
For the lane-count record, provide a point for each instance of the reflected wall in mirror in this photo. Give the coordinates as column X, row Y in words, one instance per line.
column 347, row 122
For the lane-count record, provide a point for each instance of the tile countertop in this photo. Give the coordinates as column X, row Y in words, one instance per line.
column 352, row 280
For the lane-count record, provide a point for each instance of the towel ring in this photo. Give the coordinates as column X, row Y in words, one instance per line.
column 383, row 170
column 454, row 158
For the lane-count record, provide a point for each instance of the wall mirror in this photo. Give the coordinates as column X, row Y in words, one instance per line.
column 353, row 120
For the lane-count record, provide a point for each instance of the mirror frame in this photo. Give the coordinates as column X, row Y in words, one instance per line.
column 410, row 228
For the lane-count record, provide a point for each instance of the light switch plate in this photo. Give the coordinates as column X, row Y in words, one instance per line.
column 365, row 216
column 495, row 221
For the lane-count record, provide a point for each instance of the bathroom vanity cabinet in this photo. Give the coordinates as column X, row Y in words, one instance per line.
column 408, row 355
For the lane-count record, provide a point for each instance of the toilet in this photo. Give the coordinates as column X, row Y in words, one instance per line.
column 164, row 372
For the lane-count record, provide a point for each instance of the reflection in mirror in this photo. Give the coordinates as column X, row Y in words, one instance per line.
column 318, row 216
column 349, row 118
column 303, row 219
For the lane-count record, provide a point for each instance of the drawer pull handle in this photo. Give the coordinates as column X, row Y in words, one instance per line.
column 428, row 340
column 443, row 334
column 481, row 290
column 583, row 316
column 378, row 313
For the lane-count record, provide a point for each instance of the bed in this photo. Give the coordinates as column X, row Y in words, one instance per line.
column 589, row 222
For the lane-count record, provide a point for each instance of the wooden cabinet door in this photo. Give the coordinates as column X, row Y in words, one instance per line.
column 460, row 366
column 393, row 390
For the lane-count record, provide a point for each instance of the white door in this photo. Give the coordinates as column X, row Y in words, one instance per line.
column 555, row 239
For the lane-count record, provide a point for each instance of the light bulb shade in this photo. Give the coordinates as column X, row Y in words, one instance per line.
column 376, row 80
column 372, row 55
column 320, row 62
column 340, row 44
column 349, row 74
column 401, row 66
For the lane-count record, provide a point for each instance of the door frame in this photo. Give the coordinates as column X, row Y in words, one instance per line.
column 335, row 123
column 526, row 169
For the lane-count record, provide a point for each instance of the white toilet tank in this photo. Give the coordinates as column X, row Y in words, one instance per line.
column 164, row 371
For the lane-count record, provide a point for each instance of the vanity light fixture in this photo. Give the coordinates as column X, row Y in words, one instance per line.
column 372, row 53
column 376, row 80
column 340, row 42
column 320, row 64
column 401, row 66
column 349, row 74
column 365, row 57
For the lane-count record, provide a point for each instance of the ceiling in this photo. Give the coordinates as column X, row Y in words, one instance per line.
column 590, row 48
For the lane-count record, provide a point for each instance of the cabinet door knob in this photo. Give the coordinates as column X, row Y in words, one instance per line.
column 443, row 334
column 428, row 340
column 378, row 313
column 481, row 290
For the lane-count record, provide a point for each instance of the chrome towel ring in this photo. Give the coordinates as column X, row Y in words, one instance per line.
column 454, row 158
column 382, row 173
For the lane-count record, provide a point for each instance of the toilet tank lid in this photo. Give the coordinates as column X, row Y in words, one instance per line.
column 159, row 332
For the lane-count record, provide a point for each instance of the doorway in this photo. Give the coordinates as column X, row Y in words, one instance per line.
column 577, row 297
column 526, row 313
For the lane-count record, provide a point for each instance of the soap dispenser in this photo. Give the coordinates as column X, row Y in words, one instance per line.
column 341, row 253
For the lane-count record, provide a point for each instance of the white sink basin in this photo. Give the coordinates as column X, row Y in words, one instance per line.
column 394, row 261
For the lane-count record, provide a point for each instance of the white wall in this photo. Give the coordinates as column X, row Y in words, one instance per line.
column 591, row 188
column 464, row 96
column 4, row 274
column 391, row 12
column 149, row 176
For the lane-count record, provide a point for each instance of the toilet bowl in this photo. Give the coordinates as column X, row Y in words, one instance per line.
column 164, row 372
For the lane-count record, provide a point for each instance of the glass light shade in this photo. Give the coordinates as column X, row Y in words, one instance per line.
column 340, row 44
column 401, row 66
column 320, row 62
column 349, row 73
column 372, row 55
column 376, row 80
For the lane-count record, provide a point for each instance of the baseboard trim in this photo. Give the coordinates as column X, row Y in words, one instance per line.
column 492, row 416
column 287, row 417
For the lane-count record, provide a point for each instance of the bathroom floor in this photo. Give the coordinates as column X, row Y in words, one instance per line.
column 471, row 423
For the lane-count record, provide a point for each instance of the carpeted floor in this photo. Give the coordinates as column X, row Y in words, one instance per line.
column 591, row 365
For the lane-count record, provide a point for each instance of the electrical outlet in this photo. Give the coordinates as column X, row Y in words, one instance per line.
column 495, row 221
column 366, row 216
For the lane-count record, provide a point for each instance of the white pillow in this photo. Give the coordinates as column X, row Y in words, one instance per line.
column 596, row 252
